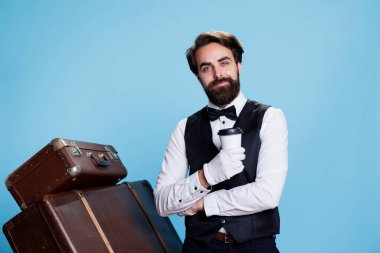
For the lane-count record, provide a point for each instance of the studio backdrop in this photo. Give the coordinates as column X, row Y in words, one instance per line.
column 115, row 72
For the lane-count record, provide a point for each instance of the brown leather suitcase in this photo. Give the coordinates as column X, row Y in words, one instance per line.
column 28, row 232
column 119, row 218
column 143, row 193
column 64, row 165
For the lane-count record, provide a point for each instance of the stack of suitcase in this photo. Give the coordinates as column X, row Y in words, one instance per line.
column 71, row 203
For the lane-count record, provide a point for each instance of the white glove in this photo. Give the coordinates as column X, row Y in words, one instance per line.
column 224, row 165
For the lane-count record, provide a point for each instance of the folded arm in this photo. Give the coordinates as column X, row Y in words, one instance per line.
column 174, row 192
column 265, row 192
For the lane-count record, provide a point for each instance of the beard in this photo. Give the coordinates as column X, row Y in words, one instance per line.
column 224, row 95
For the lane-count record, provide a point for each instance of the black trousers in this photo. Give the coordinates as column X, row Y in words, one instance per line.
column 267, row 245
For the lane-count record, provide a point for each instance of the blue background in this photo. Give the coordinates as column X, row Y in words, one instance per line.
column 115, row 72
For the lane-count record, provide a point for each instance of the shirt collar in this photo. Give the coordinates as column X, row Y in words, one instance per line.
column 238, row 102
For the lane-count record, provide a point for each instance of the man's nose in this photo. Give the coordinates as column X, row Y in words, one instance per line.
column 217, row 72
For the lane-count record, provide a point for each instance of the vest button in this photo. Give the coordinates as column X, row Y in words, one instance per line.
column 180, row 200
column 195, row 188
column 201, row 191
column 223, row 221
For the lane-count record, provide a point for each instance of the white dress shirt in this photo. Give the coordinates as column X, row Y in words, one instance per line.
column 175, row 191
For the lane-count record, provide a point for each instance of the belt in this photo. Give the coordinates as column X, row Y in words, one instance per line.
column 227, row 238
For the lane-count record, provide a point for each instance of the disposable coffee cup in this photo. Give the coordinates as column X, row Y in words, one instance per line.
column 230, row 137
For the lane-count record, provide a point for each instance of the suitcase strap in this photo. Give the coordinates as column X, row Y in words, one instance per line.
column 95, row 221
column 134, row 193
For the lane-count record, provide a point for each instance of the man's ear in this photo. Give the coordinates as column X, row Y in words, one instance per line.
column 239, row 67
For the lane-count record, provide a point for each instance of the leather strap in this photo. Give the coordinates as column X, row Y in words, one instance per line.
column 134, row 193
column 95, row 221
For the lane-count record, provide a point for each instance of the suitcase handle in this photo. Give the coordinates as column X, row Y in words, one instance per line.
column 104, row 162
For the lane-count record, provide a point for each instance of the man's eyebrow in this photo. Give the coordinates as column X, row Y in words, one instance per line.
column 204, row 64
column 209, row 63
column 224, row 58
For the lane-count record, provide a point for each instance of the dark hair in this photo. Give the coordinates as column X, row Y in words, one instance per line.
column 223, row 38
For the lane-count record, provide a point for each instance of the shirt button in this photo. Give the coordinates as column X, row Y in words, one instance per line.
column 180, row 200
column 223, row 221
column 223, row 122
column 195, row 188
column 201, row 191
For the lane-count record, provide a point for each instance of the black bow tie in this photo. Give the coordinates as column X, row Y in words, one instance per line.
column 214, row 114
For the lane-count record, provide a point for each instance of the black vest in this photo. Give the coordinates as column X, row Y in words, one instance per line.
column 200, row 149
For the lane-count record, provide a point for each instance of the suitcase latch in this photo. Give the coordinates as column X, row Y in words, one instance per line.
column 113, row 152
column 76, row 151
column 114, row 156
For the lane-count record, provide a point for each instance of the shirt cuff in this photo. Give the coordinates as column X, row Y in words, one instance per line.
column 194, row 190
column 196, row 187
column 211, row 204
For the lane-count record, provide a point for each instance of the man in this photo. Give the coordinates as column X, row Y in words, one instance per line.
column 230, row 198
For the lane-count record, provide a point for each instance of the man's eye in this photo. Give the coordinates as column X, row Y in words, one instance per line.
column 224, row 63
column 205, row 69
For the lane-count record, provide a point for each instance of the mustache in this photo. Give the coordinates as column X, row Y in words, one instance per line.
column 220, row 80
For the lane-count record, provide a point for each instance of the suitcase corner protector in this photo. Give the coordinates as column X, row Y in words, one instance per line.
column 23, row 206
column 58, row 143
column 8, row 183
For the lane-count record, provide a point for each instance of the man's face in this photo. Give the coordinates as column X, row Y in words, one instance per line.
column 218, row 73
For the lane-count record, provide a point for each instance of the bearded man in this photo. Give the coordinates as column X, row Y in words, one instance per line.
column 230, row 197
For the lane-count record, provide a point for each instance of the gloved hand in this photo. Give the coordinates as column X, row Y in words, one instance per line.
column 224, row 165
